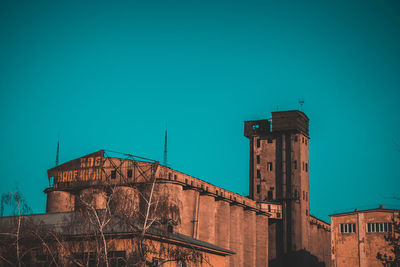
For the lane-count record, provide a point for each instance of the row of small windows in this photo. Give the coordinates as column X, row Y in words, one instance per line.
column 347, row 227
column 379, row 227
column 270, row 168
column 305, row 165
column 129, row 174
column 270, row 141
column 371, row 227
column 114, row 174
column 303, row 140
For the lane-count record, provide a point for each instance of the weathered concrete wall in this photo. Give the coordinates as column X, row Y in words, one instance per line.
column 359, row 248
column 250, row 234
column 236, row 236
column 95, row 197
column 125, row 201
column 60, row 201
column 262, row 241
column 189, row 211
column 320, row 240
column 207, row 219
column 222, row 227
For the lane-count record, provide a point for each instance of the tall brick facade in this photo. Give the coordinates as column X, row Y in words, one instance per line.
column 279, row 173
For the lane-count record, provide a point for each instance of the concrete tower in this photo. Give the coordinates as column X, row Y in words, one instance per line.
column 279, row 173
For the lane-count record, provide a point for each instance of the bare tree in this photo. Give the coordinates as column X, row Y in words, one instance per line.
column 393, row 240
column 19, row 207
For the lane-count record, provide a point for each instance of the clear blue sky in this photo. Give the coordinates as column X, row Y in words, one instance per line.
column 111, row 74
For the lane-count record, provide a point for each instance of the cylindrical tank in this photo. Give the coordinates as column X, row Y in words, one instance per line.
column 189, row 212
column 250, row 238
column 236, row 236
column 93, row 197
column 125, row 202
column 60, row 201
column 222, row 228
column 262, row 240
column 166, row 203
column 207, row 219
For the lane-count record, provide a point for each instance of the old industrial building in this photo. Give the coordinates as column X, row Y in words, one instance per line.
column 358, row 236
column 270, row 227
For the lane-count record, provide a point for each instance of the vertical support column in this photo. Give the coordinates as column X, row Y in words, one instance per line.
column 272, row 236
column 250, row 233
column 361, row 238
column 188, row 212
column 207, row 219
column 222, row 225
column 261, row 241
column 236, row 236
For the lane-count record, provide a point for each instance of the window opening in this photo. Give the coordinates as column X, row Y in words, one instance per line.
column 379, row 227
column 269, row 166
column 347, row 228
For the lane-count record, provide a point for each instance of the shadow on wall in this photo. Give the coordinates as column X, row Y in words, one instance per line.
column 300, row 258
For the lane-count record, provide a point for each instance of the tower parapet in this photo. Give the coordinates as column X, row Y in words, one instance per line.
column 292, row 120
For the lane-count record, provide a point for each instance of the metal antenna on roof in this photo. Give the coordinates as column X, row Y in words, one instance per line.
column 301, row 102
column 165, row 148
column 58, row 150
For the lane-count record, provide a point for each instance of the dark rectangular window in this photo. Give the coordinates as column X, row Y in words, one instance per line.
column 306, row 167
column 347, row 228
column 175, row 177
column 379, row 227
column 258, row 189
column 295, row 164
column 258, row 174
column 113, row 174
column 258, row 159
column 258, row 143
column 269, row 141
column 304, row 195
column 306, row 141
column 269, row 166
column 295, row 138
column 303, row 139
column 169, row 176
column 129, row 173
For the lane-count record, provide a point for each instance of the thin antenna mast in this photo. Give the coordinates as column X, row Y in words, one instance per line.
column 58, row 151
column 165, row 149
column 301, row 103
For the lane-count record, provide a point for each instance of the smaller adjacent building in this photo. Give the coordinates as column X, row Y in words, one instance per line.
column 357, row 237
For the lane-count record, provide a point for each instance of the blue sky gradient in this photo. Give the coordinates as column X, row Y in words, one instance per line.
column 112, row 74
